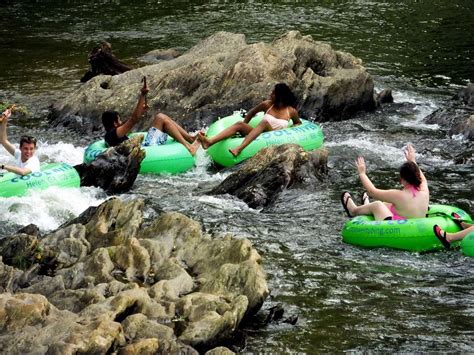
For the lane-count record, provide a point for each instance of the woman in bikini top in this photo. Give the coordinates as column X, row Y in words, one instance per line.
column 279, row 110
column 410, row 202
column 277, row 123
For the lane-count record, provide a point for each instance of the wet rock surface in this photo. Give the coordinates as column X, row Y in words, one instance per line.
column 116, row 169
column 111, row 284
column 457, row 115
column 259, row 180
column 222, row 74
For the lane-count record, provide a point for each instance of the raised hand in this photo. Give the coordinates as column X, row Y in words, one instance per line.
column 409, row 152
column 360, row 163
column 5, row 115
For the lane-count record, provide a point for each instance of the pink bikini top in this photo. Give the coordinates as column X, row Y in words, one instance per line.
column 413, row 190
column 267, row 115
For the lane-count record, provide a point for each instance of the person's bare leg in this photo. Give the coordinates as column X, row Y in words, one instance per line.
column 378, row 209
column 168, row 126
column 451, row 237
column 239, row 127
column 161, row 117
column 250, row 137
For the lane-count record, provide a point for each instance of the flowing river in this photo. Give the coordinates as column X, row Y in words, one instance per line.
column 347, row 298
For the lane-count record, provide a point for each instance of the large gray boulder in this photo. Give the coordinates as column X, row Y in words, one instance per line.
column 261, row 178
column 115, row 286
column 223, row 73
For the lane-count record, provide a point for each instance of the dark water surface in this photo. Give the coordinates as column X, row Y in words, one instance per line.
column 347, row 298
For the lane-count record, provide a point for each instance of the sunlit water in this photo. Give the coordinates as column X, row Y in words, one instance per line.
column 346, row 298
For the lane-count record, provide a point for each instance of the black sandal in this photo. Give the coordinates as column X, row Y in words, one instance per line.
column 344, row 202
column 457, row 219
column 441, row 236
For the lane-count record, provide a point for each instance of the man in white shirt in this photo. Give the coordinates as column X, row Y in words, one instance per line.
column 26, row 161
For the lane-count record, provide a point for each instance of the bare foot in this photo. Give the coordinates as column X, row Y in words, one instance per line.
column 193, row 147
column 234, row 152
column 192, row 138
column 348, row 203
column 203, row 139
column 365, row 198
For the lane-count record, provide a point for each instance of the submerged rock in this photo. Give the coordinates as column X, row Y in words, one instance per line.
column 116, row 169
column 222, row 74
column 118, row 286
column 158, row 55
column 383, row 97
column 465, row 128
column 261, row 178
column 457, row 114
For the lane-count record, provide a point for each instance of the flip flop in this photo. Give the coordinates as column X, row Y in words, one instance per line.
column 344, row 202
column 457, row 219
column 365, row 197
column 441, row 236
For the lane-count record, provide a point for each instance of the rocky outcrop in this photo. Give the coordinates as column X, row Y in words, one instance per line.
column 116, row 169
column 261, row 178
column 457, row 115
column 159, row 55
column 111, row 284
column 223, row 73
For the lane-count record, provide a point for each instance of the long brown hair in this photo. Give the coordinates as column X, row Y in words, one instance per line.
column 284, row 96
column 410, row 172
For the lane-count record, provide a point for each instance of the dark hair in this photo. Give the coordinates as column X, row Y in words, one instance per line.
column 109, row 118
column 27, row 140
column 410, row 172
column 284, row 96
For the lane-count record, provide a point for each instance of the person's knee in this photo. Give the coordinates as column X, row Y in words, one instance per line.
column 160, row 120
column 160, row 117
column 239, row 126
column 378, row 203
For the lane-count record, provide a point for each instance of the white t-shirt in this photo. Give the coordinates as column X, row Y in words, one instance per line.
column 33, row 163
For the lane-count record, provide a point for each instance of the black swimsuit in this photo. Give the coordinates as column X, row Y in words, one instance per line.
column 112, row 139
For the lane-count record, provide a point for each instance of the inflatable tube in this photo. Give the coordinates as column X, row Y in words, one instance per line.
column 308, row 135
column 467, row 245
column 414, row 234
column 172, row 157
column 55, row 174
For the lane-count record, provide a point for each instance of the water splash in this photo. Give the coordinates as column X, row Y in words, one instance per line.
column 49, row 208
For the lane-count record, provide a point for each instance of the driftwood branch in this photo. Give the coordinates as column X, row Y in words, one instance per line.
column 103, row 61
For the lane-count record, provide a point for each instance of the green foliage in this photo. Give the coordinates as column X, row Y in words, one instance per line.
column 18, row 108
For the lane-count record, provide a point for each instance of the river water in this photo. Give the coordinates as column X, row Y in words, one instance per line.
column 346, row 298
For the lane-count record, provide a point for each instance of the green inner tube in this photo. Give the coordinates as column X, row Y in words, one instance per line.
column 308, row 135
column 55, row 174
column 414, row 234
column 171, row 157
column 467, row 245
